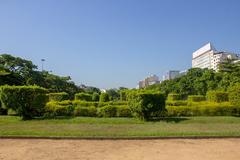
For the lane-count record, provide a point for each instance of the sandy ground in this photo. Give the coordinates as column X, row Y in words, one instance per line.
column 175, row 149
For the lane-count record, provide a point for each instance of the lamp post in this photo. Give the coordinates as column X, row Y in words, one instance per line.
column 42, row 60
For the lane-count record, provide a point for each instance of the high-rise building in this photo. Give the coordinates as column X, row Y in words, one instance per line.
column 171, row 75
column 209, row 57
column 153, row 79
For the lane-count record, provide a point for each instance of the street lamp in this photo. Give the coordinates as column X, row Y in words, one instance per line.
column 42, row 60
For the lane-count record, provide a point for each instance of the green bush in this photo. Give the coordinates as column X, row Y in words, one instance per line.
column 204, row 109
column 234, row 94
column 145, row 105
column 104, row 97
column 196, row 98
column 61, row 96
column 108, row 111
column 27, row 101
column 123, row 111
column 85, row 111
column 217, row 96
column 95, row 97
column 53, row 109
column 174, row 97
column 83, row 97
column 176, row 103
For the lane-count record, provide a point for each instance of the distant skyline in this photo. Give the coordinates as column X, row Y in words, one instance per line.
column 110, row 43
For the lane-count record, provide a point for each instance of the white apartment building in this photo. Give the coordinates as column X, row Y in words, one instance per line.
column 209, row 57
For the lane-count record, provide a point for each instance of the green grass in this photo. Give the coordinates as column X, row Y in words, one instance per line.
column 120, row 127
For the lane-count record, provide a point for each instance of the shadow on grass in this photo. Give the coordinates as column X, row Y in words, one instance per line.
column 169, row 119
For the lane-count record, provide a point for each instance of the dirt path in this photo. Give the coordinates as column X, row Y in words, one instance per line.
column 179, row 149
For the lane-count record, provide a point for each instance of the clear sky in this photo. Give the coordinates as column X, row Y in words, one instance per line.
column 112, row 43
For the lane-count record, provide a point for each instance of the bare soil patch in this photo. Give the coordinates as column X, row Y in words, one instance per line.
column 180, row 149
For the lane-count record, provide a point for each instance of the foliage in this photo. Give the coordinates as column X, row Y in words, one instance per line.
column 145, row 105
column 108, row 111
column 174, row 97
column 123, row 111
column 234, row 94
column 83, row 97
column 85, row 111
column 217, row 96
column 198, row 81
column 196, row 98
column 176, row 103
column 204, row 109
column 54, row 109
column 113, row 94
column 95, row 97
column 123, row 95
column 78, row 103
column 60, row 96
column 104, row 97
column 27, row 101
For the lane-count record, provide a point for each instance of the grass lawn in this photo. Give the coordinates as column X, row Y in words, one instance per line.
column 120, row 127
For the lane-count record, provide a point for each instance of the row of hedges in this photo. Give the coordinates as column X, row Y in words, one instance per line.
column 206, row 109
column 54, row 109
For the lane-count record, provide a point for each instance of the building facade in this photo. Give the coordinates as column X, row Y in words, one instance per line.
column 209, row 57
column 171, row 75
column 153, row 79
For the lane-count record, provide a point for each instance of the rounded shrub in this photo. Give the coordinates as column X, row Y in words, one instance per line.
column 104, row 97
column 146, row 104
column 83, row 97
column 60, row 96
column 27, row 101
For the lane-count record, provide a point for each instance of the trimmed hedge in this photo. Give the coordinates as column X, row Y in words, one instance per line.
column 27, row 101
column 95, row 97
column 108, row 111
column 83, row 97
column 114, row 111
column 176, row 103
column 234, row 94
column 174, row 97
column 123, row 95
column 217, row 96
column 196, row 98
column 123, row 111
column 53, row 109
column 146, row 104
column 78, row 103
column 60, row 96
column 209, row 109
column 85, row 111
column 104, row 97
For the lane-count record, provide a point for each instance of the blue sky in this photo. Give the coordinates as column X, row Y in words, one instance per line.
column 112, row 43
